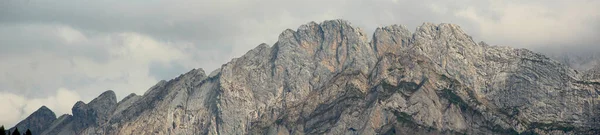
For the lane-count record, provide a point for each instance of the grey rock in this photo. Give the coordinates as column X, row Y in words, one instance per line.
column 60, row 126
column 327, row 78
column 37, row 122
column 391, row 39
column 94, row 114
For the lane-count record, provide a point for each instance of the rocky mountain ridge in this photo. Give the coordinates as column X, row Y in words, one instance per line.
column 328, row 78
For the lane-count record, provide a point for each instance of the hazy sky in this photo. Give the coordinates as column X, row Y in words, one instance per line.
column 55, row 53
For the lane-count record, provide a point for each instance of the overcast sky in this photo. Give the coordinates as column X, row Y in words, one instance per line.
column 55, row 53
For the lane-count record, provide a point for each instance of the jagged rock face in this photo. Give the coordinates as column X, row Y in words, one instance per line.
column 328, row 78
column 37, row 122
column 391, row 39
column 311, row 64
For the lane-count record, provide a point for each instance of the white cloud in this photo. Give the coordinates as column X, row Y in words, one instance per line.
column 18, row 107
column 527, row 24
column 42, row 76
column 70, row 35
column 127, row 71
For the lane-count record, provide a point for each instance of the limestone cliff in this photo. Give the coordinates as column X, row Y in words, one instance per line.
column 328, row 78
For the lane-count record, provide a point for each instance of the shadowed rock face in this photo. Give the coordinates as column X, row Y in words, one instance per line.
column 37, row 122
column 94, row 114
column 327, row 78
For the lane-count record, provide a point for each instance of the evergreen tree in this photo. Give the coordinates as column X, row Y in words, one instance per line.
column 2, row 131
column 28, row 132
column 16, row 132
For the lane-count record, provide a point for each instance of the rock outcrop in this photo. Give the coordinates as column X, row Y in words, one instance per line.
column 328, row 78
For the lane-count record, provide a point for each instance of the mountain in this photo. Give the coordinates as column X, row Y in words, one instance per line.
column 328, row 78
column 37, row 122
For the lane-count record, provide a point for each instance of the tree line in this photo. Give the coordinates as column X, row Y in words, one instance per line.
column 16, row 132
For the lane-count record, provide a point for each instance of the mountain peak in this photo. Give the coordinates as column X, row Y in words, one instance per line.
column 38, row 121
column 44, row 109
column 432, row 31
column 129, row 96
column 106, row 95
column 96, row 111
column 337, row 22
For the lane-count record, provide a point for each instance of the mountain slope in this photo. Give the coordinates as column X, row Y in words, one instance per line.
column 328, row 78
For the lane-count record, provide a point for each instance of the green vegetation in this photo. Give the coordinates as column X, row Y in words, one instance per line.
column 392, row 69
column 588, row 82
column 407, row 119
column 454, row 84
column 403, row 117
column 2, row 130
column 279, row 121
column 510, row 112
column 454, row 99
column 552, row 126
column 401, row 87
column 529, row 132
column 499, row 129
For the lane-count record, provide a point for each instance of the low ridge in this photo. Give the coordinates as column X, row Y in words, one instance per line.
column 37, row 122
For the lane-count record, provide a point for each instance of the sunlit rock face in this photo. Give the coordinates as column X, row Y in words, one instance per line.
column 328, row 78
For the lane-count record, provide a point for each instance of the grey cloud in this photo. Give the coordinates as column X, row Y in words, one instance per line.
column 218, row 25
column 165, row 72
column 162, row 20
column 24, row 39
column 218, row 30
column 208, row 20
column 213, row 23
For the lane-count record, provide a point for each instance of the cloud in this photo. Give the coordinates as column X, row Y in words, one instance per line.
column 91, row 46
column 18, row 107
column 26, row 39
column 537, row 23
column 31, row 77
